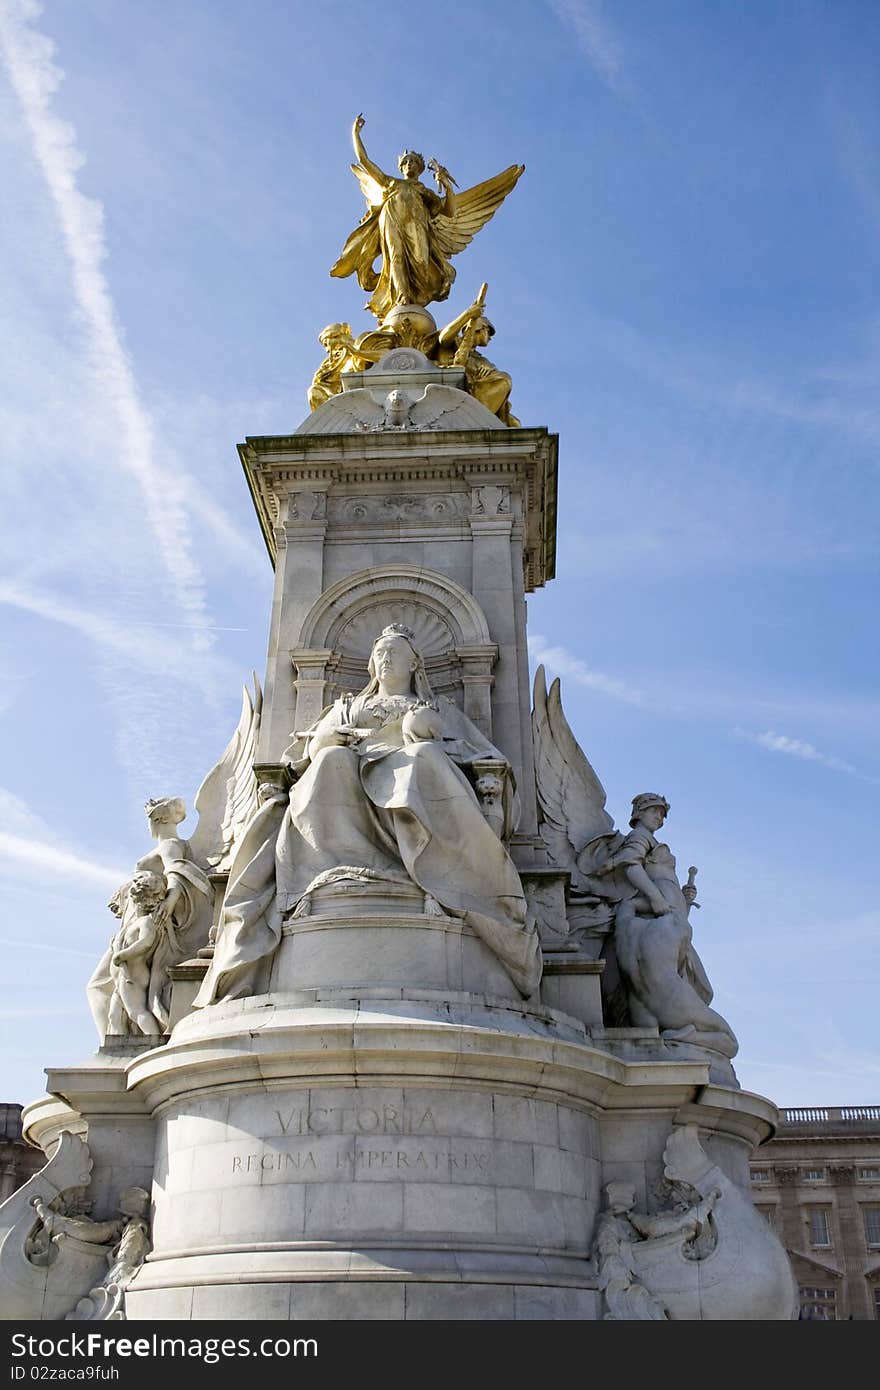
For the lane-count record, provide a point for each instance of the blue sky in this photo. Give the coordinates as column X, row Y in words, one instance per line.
column 685, row 286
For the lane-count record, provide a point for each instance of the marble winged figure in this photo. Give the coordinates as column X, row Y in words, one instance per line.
column 625, row 885
column 412, row 230
column 380, row 793
column 165, row 909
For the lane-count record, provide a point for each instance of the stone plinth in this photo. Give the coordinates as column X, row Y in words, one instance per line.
column 572, row 983
column 333, row 949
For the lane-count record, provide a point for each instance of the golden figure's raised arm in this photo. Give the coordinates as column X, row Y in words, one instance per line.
column 363, row 158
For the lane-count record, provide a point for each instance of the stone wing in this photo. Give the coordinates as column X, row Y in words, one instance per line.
column 227, row 799
column 446, row 408
column 349, row 412
column 473, row 208
column 570, row 795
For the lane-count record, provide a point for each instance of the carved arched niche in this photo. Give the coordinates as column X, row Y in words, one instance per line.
column 450, row 631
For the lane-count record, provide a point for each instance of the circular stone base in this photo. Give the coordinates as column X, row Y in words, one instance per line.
column 387, row 944
column 391, row 1159
column 401, row 1155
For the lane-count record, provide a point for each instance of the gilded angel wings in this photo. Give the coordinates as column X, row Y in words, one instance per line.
column 412, row 231
column 472, row 209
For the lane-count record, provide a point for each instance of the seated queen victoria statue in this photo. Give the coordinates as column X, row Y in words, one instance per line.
column 380, row 793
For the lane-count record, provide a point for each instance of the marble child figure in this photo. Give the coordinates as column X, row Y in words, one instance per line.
column 620, row 1230
column 131, row 952
column 179, row 920
column 104, row 1302
column 381, row 793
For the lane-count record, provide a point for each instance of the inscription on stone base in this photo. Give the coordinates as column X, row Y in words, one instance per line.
column 306, row 1161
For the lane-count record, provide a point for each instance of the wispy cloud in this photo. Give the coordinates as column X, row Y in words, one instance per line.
column 855, row 130
column 595, row 38
column 48, row 860
column 795, row 748
column 127, row 638
column 707, row 705
column 564, row 664
column 715, row 382
column 35, row 78
column 816, row 1081
column 41, row 946
column 27, row 843
column 244, row 550
column 8, row 1015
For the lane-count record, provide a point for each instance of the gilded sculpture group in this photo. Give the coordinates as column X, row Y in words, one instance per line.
column 411, row 232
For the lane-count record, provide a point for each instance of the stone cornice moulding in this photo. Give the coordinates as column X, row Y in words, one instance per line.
column 524, row 458
column 243, row 1043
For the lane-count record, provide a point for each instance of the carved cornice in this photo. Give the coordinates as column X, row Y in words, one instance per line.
column 786, row 1177
column 517, row 467
column 842, row 1174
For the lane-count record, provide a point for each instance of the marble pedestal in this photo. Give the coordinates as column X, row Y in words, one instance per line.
column 373, row 1150
column 382, row 1158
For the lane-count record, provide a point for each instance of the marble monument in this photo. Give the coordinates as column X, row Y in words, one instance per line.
column 406, row 1028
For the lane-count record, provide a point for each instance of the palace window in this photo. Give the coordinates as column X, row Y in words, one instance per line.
column 818, row 1304
column 760, row 1175
column 871, row 1218
column 820, row 1233
column 814, row 1175
column 869, row 1175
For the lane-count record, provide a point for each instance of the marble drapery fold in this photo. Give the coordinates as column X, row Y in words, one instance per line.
column 400, row 808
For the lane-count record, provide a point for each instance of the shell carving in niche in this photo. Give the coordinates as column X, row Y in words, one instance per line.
column 433, row 636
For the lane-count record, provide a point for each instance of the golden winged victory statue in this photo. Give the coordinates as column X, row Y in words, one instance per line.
column 413, row 229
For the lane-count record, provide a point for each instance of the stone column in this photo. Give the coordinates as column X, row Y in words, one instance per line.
column 313, row 667
column 851, row 1241
column 528, row 826
column 8, row 1180
column 477, row 680
column 299, row 582
column 491, row 523
column 792, row 1233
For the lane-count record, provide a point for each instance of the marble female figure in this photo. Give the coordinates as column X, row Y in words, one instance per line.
column 381, row 792
column 668, row 985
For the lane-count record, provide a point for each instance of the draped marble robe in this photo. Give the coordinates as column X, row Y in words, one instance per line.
column 400, row 808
